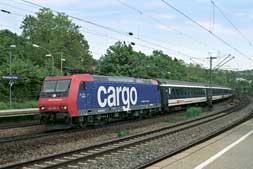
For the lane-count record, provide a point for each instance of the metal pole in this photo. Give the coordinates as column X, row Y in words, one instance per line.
column 210, row 101
column 61, row 63
column 53, row 64
column 10, row 82
column 99, row 66
column 210, row 85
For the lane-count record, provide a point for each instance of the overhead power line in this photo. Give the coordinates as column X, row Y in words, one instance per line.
column 205, row 29
column 160, row 22
column 212, row 17
column 5, row 11
column 13, row 6
column 231, row 23
column 223, row 60
column 80, row 19
column 114, row 38
column 218, row 67
column 111, row 29
column 9, row 12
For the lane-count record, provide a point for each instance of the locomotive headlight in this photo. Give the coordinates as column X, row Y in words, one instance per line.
column 42, row 108
column 64, row 107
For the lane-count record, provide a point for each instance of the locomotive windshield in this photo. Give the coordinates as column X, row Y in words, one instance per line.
column 55, row 86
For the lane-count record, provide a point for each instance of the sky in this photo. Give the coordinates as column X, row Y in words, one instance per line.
column 156, row 26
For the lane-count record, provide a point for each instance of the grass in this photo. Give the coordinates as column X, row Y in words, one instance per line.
column 175, row 119
column 193, row 112
column 19, row 105
column 122, row 134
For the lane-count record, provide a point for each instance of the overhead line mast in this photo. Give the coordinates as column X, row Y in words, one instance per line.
column 210, row 93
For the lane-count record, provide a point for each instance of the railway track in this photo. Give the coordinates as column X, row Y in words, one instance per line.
column 198, row 141
column 57, row 132
column 81, row 157
column 12, row 126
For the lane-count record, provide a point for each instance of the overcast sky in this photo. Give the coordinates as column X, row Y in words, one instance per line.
column 157, row 27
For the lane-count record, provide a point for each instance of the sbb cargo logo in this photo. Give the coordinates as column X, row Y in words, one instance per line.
column 114, row 96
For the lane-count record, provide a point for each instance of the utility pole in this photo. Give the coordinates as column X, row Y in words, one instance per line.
column 52, row 56
column 62, row 60
column 10, row 73
column 210, row 93
column 10, row 82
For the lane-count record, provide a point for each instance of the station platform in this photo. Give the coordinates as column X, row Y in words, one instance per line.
column 18, row 112
column 230, row 150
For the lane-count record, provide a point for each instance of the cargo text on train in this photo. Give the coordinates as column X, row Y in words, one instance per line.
column 114, row 96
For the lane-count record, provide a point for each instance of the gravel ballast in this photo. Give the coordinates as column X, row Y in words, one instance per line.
column 36, row 148
column 144, row 153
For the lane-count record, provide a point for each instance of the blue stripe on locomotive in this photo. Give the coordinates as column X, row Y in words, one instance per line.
column 147, row 94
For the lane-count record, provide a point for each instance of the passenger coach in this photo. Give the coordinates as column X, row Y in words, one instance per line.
column 180, row 93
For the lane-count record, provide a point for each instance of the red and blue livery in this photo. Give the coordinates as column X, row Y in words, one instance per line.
column 82, row 99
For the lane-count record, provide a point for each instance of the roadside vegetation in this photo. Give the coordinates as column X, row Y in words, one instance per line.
column 47, row 32
column 193, row 112
column 122, row 134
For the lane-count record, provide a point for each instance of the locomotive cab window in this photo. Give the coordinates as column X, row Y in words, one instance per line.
column 62, row 85
column 56, row 86
column 59, row 88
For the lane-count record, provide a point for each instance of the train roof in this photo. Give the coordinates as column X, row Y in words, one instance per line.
column 177, row 83
column 124, row 79
column 162, row 82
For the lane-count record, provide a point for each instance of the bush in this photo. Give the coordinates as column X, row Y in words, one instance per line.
column 193, row 111
column 122, row 134
column 19, row 105
column 3, row 106
column 27, row 104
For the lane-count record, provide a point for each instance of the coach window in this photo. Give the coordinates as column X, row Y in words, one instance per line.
column 185, row 92
column 177, row 92
column 199, row 92
column 190, row 92
column 82, row 86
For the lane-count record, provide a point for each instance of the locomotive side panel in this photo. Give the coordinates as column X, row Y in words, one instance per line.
column 109, row 97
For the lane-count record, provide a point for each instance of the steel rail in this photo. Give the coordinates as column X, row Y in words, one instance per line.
column 196, row 142
column 117, row 144
column 45, row 134
column 23, row 124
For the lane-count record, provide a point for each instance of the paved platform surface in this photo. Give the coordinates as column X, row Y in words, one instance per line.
column 230, row 150
column 19, row 112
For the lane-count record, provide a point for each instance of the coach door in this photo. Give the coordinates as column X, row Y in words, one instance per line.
column 165, row 96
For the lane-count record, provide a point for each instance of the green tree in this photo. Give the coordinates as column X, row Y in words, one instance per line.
column 7, row 38
column 121, row 59
column 57, row 33
column 163, row 66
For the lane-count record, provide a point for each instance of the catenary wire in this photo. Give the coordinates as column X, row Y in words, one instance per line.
column 110, row 29
column 205, row 29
